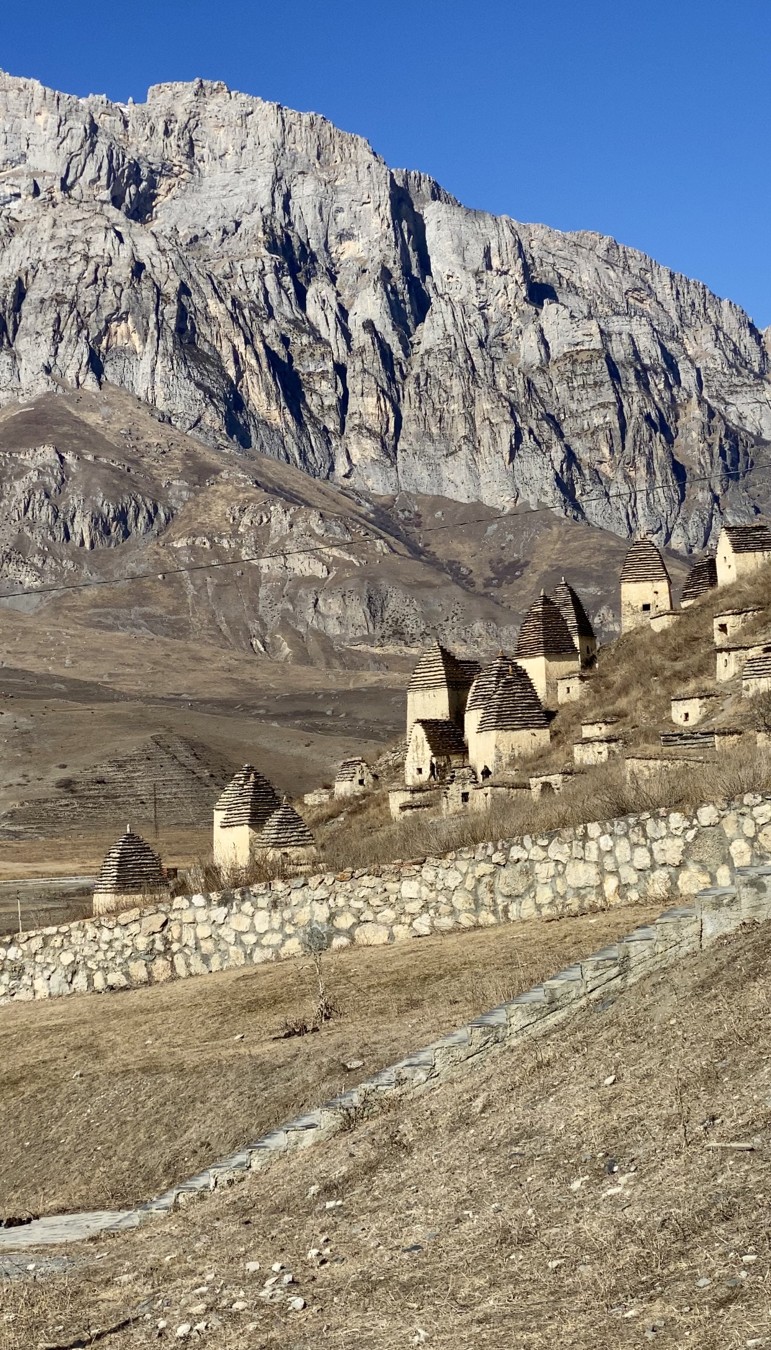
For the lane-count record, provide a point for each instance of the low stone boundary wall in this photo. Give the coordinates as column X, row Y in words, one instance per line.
column 676, row 934
column 658, row 855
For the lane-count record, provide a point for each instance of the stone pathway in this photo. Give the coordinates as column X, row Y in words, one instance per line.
column 60, row 1228
column 677, row 933
column 16, row 1266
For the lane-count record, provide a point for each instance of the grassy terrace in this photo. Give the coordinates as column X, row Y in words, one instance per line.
column 106, row 1100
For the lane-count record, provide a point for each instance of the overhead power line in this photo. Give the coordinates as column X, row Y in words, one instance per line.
column 162, row 573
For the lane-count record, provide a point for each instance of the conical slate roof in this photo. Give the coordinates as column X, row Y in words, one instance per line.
column 544, row 631
column 286, row 829
column 643, row 562
column 514, row 705
column 439, row 669
column 487, row 681
column 131, row 867
column 249, row 799
column 572, row 611
column 701, row 578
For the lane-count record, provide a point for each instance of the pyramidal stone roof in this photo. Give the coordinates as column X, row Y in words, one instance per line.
column 758, row 667
column 130, row 868
column 514, row 705
column 749, row 538
column 286, row 829
column 701, row 578
column 544, row 631
column 249, row 799
column 572, row 611
column 347, row 770
column 643, row 562
column 444, row 738
column 439, row 669
column 487, row 681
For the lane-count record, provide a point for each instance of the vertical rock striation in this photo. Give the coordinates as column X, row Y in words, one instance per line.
column 255, row 274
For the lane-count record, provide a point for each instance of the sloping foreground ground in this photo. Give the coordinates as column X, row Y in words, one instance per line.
column 566, row 1194
column 106, row 1101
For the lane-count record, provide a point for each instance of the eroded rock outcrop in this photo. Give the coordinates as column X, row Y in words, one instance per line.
column 256, row 274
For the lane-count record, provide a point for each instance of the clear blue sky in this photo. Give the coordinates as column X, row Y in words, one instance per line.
column 647, row 121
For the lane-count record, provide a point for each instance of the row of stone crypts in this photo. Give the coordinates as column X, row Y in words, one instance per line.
column 742, row 551
column 469, row 727
column 251, row 824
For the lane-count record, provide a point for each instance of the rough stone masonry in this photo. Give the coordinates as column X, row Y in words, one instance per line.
column 661, row 855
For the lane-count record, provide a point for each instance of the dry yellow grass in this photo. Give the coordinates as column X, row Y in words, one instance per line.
column 364, row 834
column 106, row 1100
column 532, row 1203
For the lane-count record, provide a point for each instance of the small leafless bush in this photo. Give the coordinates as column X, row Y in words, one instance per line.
column 760, row 709
column 315, row 942
column 205, row 875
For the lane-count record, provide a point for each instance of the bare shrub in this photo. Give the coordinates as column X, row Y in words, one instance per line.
column 760, row 711
column 205, row 876
column 314, row 941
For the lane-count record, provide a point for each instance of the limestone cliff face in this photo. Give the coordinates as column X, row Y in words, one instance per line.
column 259, row 276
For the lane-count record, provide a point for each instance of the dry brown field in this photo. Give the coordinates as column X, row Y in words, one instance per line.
column 106, row 1100
column 578, row 1191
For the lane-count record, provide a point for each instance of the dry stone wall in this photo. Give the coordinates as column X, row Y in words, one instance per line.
column 655, row 856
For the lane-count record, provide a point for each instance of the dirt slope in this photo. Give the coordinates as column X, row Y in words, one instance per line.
column 563, row 1194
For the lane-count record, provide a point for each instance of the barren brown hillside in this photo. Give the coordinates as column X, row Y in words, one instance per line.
column 582, row 1191
column 293, row 662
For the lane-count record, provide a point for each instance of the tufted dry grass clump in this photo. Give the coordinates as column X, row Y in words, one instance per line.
column 578, row 1191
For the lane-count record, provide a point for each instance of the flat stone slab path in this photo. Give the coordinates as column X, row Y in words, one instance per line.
column 20, row 1266
column 61, row 1228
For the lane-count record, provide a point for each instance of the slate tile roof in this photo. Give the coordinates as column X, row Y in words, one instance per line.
column 749, row 538
column 701, row 578
column 572, row 611
column 286, row 829
column 514, row 705
column 439, row 669
column 487, row 681
column 758, row 667
column 130, row 868
column 643, row 562
column 249, row 799
column 544, row 631
column 444, row 738
column 348, row 769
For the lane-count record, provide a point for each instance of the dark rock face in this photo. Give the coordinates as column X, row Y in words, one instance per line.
column 258, row 276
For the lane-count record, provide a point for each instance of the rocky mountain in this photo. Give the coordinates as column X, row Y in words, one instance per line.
column 266, row 282
column 181, row 540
